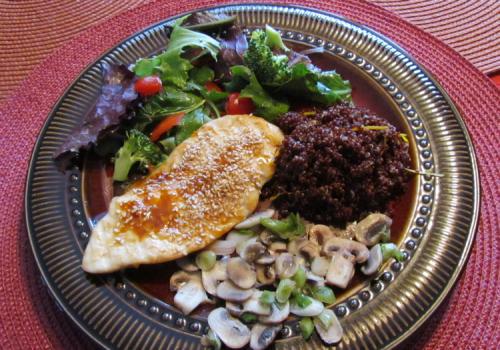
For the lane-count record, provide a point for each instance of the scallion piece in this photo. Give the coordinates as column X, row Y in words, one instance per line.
column 248, row 317
column 267, row 297
column 326, row 318
column 211, row 340
column 390, row 250
column 323, row 294
column 300, row 277
column 206, row 260
column 285, row 289
column 302, row 300
column 306, row 327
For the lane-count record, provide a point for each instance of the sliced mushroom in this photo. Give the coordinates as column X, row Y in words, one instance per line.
column 263, row 335
column 241, row 246
column 241, row 273
column 254, row 219
column 222, row 247
column 234, row 308
column 231, row 331
column 267, row 237
column 237, row 237
column 278, row 314
column 187, row 264
column 319, row 234
column 266, row 274
column 314, row 309
column 285, row 265
column 254, row 305
column 374, row 261
column 212, row 277
column 293, row 245
column 315, row 279
column 278, row 247
column 309, row 250
column 266, row 258
column 228, row 291
column 371, row 229
column 350, row 230
column 332, row 334
column 190, row 294
column 358, row 251
column 319, row 266
column 252, row 251
column 180, row 278
column 340, row 271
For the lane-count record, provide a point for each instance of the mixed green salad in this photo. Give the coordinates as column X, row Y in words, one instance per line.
column 208, row 69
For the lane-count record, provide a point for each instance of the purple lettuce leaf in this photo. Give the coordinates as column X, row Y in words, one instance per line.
column 109, row 111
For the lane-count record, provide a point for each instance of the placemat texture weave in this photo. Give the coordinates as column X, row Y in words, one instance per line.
column 31, row 30
column 468, row 319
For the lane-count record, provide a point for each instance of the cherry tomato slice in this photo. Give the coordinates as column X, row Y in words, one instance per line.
column 148, row 86
column 239, row 105
column 211, row 86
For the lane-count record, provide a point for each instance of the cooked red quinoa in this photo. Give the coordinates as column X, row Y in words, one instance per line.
column 331, row 170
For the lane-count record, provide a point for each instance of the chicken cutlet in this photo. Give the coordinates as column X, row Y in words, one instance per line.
column 208, row 184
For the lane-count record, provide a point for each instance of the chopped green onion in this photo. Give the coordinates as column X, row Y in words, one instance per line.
column 326, row 318
column 245, row 231
column 306, row 327
column 323, row 294
column 267, row 297
column 289, row 228
column 248, row 317
column 206, row 260
column 302, row 300
column 211, row 340
column 404, row 137
column 284, row 290
column 390, row 250
column 300, row 277
column 386, row 234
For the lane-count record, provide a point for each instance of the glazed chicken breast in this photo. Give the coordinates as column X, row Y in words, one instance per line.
column 208, row 184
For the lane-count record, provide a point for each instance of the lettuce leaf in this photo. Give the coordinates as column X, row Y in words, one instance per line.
column 117, row 95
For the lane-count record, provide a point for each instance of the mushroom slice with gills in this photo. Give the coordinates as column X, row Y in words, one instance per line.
column 267, row 237
column 373, row 228
column 319, row 234
column 340, row 271
column 266, row 258
column 212, row 277
column 278, row 314
column 332, row 334
column 228, row 291
column 319, row 266
column 254, row 305
column 266, row 274
column 278, row 247
column 374, row 261
column 315, row 279
column 187, row 264
column 222, row 247
column 263, row 335
column 313, row 309
column 190, row 294
column 358, row 251
column 234, row 309
column 309, row 250
column 180, row 278
column 241, row 246
column 241, row 273
column 254, row 219
column 252, row 251
column 231, row 331
column 293, row 245
column 285, row 265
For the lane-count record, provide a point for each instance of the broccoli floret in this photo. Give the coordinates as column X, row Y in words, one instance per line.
column 270, row 69
column 137, row 148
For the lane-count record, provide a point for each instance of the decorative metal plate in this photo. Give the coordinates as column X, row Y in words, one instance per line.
column 379, row 314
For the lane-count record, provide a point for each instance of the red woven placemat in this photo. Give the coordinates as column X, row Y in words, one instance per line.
column 468, row 319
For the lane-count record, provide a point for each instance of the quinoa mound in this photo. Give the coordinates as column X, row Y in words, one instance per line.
column 338, row 165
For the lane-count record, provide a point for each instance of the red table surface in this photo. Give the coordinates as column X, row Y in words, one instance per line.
column 469, row 317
